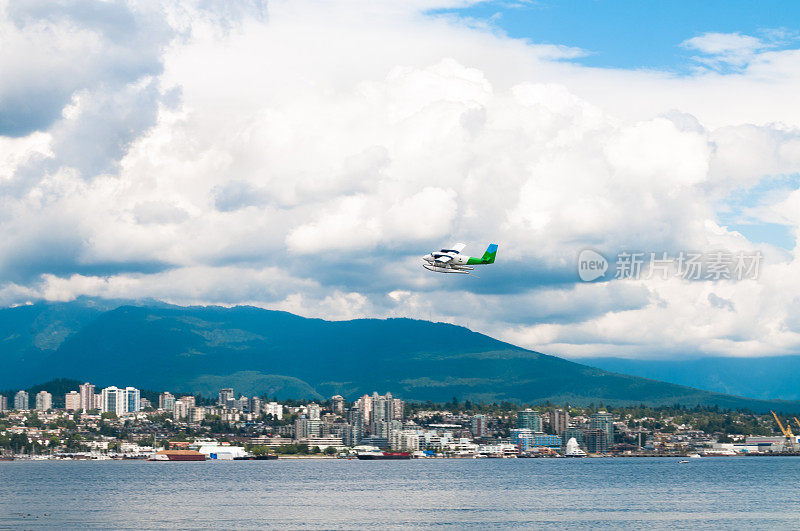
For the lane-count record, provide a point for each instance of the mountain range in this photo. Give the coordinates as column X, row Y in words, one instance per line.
column 157, row 346
column 763, row 377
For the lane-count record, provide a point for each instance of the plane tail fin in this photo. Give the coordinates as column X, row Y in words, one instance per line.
column 490, row 254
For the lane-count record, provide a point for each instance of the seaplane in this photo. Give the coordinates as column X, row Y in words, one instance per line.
column 452, row 261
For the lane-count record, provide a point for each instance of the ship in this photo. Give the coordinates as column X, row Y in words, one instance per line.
column 178, row 455
column 573, row 449
column 375, row 453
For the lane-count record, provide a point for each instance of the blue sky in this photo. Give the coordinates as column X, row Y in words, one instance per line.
column 634, row 33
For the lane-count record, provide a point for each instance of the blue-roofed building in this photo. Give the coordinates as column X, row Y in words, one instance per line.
column 527, row 440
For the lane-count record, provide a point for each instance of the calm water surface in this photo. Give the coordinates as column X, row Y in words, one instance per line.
column 711, row 493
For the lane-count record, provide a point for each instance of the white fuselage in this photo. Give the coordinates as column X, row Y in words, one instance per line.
column 446, row 262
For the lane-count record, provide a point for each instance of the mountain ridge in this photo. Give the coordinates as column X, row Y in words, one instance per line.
column 198, row 348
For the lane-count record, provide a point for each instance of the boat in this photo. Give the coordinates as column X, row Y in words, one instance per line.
column 385, row 455
column 178, row 455
column 695, row 456
column 263, row 457
column 682, row 461
column 374, row 453
column 573, row 449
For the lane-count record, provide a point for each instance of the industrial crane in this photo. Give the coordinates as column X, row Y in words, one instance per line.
column 789, row 441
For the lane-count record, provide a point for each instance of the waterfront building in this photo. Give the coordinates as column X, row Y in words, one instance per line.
column 166, row 401
column 603, row 421
column 597, row 441
column 573, row 433
column 72, row 401
column 305, row 428
column 526, row 440
column 313, row 411
column 559, row 421
column 404, row 441
column 44, row 401
column 529, row 419
column 3, row 403
column 479, row 426
column 275, row 409
column 97, row 403
column 87, row 396
column 226, row 398
column 337, row 404
column 21, row 401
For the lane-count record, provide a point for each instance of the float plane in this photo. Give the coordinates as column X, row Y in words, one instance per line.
column 452, row 261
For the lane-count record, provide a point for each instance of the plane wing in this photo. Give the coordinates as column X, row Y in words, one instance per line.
column 443, row 259
column 458, row 247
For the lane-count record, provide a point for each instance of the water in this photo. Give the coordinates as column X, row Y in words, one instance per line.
column 733, row 493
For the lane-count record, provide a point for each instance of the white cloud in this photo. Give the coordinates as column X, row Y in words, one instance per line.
column 303, row 158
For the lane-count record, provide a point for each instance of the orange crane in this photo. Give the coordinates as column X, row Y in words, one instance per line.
column 789, row 443
column 797, row 421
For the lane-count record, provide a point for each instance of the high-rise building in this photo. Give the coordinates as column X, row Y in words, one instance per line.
column 113, row 400
column 364, row 404
column 120, row 401
column 355, row 429
column 97, row 402
column 255, row 405
column 166, row 401
column 559, row 421
column 189, row 400
column 3, row 403
column 196, row 414
column 87, row 396
column 144, row 404
column 337, row 404
column 596, row 441
column 21, row 400
column 479, row 426
column 603, row 421
column 275, row 409
column 381, row 407
column 72, row 401
column 398, row 409
column 226, row 398
column 529, row 419
column 44, row 401
column 132, row 400
column 313, row 411
column 305, row 428
column 573, row 433
column 180, row 409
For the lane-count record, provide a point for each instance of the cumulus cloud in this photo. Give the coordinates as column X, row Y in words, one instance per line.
column 302, row 156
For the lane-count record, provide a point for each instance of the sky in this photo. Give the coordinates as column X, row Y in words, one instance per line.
column 304, row 155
